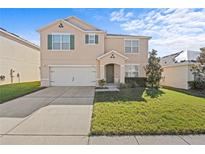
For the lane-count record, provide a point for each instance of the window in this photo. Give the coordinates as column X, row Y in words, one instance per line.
column 56, row 42
column 91, row 39
column 60, row 42
column 65, row 42
column 131, row 46
column 131, row 71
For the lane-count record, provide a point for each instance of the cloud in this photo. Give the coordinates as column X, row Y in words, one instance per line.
column 171, row 29
column 120, row 15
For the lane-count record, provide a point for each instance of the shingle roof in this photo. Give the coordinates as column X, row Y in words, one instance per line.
column 173, row 54
column 184, row 56
column 80, row 26
column 125, row 35
column 187, row 55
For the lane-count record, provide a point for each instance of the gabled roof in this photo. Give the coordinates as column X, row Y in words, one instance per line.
column 187, row 55
column 92, row 28
column 18, row 38
column 80, row 25
column 184, row 56
column 110, row 52
column 173, row 54
column 70, row 23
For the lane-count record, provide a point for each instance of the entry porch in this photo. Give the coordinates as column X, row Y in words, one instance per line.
column 112, row 67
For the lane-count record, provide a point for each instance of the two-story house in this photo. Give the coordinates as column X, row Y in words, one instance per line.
column 75, row 53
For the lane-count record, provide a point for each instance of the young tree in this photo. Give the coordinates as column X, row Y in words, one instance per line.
column 153, row 70
column 201, row 58
column 199, row 67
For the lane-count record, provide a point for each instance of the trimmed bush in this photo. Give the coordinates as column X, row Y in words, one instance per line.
column 136, row 82
column 124, row 85
column 197, row 84
column 101, row 83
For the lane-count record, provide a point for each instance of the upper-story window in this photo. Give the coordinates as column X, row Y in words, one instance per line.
column 61, row 42
column 91, row 39
column 131, row 46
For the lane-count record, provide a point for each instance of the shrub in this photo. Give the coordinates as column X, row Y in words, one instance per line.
column 129, row 85
column 101, row 83
column 2, row 77
column 137, row 81
column 154, row 92
column 200, row 84
column 134, row 85
column 124, row 85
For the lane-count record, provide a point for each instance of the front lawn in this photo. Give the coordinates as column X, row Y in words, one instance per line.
column 131, row 111
column 11, row 91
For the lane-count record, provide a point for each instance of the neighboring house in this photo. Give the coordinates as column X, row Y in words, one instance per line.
column 177, row 69
column 19, row 59
column 75, row 53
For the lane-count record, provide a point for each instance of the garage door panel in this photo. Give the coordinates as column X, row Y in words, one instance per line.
column 73, row 76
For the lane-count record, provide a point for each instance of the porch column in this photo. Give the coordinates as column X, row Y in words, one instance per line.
column 122, row 74
column 102, row 70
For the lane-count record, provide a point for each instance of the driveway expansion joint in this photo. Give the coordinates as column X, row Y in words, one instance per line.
column 136, row 139
column 184, row 140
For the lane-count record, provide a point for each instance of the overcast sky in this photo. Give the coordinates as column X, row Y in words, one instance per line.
column 172, row 30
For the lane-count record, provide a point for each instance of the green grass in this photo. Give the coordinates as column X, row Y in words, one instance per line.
column 11, row 91
column 193, row 92
column 170, row 113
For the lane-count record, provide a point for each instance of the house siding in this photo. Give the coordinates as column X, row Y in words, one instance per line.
column 22, row 58
column 140, row 58
column 85, row 54
column 177, row 76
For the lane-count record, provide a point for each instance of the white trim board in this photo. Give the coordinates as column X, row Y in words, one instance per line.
column 131, row 37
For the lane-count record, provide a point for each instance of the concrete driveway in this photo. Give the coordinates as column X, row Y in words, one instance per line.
column 24, row 106
column 55, row 111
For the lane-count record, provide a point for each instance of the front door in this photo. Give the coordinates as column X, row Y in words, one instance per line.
column 110, row 73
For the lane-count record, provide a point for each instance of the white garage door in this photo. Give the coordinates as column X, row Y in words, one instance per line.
column 72, row 76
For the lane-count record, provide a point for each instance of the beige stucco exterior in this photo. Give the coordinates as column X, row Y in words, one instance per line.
column 140, row 58
column 177, row 76
column 177, row 73
column 21, row 56
column 85, row 54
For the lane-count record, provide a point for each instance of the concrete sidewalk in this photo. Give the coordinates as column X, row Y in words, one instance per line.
column 148, row 140
column 102, row 140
